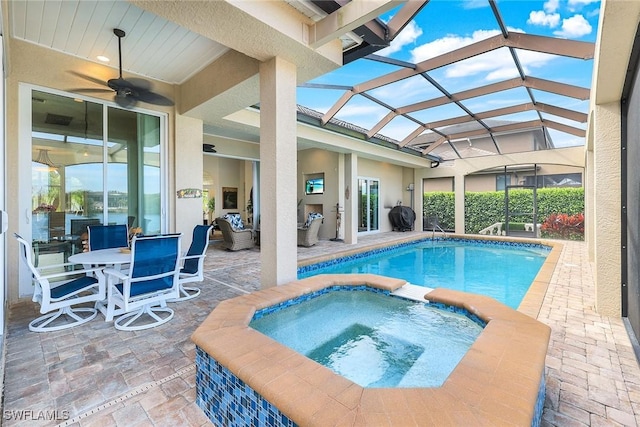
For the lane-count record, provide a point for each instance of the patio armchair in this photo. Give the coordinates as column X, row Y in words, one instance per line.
column 108, row 236
column 59, row 289
column 139, row 296
column 308, row 233
column 192, row 269
column 235, row 238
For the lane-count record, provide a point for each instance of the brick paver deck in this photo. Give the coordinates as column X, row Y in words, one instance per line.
column 93, row 375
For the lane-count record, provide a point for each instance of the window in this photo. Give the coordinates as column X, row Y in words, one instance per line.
column 91, row 162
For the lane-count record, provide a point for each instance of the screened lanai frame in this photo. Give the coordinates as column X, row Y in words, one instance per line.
column 442, row 121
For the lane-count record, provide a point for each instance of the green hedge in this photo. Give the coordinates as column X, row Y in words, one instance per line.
column 486, row 208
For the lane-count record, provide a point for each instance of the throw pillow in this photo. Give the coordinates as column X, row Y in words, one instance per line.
column 311, row 217
column 235, row 220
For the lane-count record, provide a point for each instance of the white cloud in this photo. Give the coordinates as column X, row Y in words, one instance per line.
column 579, row 3
column 539, row 17
column 551, row 6
column 448, row 44
column 574, row 27
column 474, row 4
column 494, row 65
column 408, row 35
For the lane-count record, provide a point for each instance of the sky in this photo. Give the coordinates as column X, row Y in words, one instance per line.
column 431, row 34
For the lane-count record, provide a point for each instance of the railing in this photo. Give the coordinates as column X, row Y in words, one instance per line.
column 493, row 230
column 496, row 229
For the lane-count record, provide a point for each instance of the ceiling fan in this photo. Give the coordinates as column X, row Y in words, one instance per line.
column 127, row 92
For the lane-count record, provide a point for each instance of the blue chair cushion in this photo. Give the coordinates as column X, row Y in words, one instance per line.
column 311, row 217
column 148, row 286
column 191, row 270
column 72, row 286
column 235, row 220
column 198, row 246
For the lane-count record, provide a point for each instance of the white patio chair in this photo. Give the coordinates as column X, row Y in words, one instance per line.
column 59, row 290
column 192, row 269
column 139, row 295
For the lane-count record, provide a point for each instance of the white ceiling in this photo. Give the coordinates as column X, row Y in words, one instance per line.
column 153, row 47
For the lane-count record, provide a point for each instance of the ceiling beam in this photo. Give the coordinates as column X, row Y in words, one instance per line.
column 402, row 18
column 564, row 89
column 349, row 17
column 553, row 46
column 565, row 128
column 435, row 145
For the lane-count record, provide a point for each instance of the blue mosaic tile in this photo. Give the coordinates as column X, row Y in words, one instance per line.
column 306, row 270
column 306, row 297
column 228, row 401
column 457, row 310
column 537, row 413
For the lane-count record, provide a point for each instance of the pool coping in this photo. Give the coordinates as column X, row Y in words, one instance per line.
column 498, row 380
column 532, row 301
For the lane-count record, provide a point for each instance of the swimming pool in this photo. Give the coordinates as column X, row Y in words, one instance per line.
column 374, row 340
column 501, row 270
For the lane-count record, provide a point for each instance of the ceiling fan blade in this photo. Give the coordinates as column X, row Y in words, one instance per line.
column 89, row 78
column 153, row 98
column 139, row 83
column 89, row 90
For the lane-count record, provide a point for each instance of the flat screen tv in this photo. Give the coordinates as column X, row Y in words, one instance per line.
column 314, row 186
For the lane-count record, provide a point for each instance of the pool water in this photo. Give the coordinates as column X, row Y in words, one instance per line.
column 375, row 340
column 500, row 271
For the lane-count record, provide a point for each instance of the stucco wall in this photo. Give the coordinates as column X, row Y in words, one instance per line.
column 314, row 161
column 607, row 197
column 437, row 184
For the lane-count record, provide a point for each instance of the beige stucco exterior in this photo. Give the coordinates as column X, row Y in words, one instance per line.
column 268, row 47
column 618, row 25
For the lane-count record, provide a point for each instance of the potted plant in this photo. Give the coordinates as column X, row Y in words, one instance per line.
column 211, row 206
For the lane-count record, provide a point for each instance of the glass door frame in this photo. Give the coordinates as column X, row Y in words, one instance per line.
column 368, row 181
column 25, row 217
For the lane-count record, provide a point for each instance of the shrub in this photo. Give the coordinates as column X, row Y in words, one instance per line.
column 563, row 226
column 486, row 208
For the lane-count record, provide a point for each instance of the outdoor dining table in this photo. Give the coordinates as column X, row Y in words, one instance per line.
column 111, row 258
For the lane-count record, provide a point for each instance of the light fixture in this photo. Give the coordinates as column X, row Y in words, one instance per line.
column 43, row 158
column 102, row 58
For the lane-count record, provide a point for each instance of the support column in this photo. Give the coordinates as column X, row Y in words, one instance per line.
column 418, row 200
column 188, row 174
column 458, row 188
column 341, row 196
column 278, row 160
column 606, row 209
column 351, row 203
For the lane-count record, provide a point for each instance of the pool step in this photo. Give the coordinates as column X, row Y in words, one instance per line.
column 412, row 292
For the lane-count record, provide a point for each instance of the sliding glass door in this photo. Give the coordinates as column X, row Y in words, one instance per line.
column 91, row 164
column 368, row 209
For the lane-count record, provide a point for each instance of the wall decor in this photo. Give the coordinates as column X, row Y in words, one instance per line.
column 189, row 193
column 229, row 198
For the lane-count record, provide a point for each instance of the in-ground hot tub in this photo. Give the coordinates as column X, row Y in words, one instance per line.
column 244, row 377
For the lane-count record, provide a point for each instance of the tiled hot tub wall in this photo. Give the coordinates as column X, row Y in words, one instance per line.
column 243, row 375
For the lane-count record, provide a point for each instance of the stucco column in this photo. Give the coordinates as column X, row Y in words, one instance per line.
column 606, row 208
column 589, row 215
column 188, row 174
column 351, row 203
column 458, row 187
column 278, row 159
